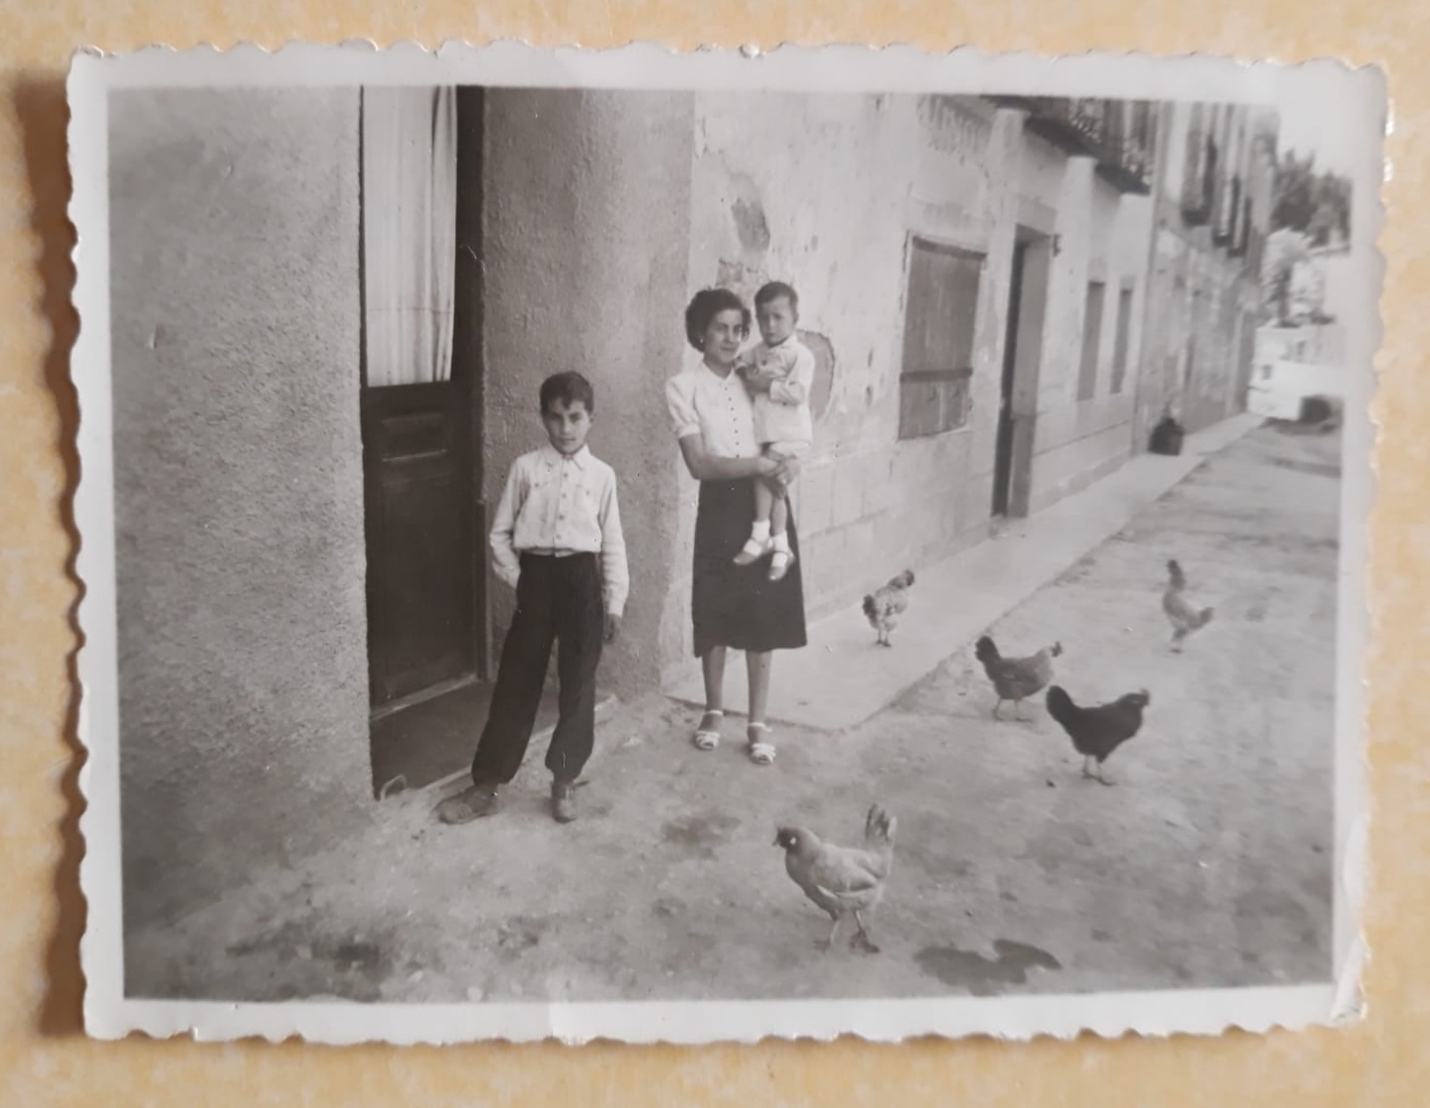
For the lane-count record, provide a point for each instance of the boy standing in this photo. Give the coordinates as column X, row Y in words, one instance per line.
column 557, row 541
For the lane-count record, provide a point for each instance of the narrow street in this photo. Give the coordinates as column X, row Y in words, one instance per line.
column 1207, row 864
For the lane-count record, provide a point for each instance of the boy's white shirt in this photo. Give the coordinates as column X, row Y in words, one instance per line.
column 530, row 516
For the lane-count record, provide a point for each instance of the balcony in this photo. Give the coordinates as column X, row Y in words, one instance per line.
column 1128, row 145
column 1119, row 134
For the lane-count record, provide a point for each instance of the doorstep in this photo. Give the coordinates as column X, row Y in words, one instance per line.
column 432, row 743
column 842, row 677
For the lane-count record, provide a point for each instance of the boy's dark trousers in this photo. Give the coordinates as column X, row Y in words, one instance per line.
column 557, row 599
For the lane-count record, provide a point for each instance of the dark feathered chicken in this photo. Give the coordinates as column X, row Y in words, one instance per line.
column 884, row 606
column 1016, row 679
column 1097, row 732
column 842, row 880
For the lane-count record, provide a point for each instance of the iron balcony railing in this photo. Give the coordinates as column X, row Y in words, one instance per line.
column 1119, row 134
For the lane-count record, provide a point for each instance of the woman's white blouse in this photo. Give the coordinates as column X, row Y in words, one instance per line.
column 717, row 408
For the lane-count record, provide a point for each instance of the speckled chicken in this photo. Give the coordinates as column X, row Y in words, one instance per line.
column 886, row 604
column 1016, row 679
column 1096, row 732
column 1184, row 616
column 844, row 881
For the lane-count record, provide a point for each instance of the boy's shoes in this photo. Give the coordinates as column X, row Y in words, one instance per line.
column 563, row 801
column 477, row 801
column 469, row 804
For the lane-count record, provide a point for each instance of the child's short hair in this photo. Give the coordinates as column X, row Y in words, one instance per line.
column 706, row 305
column 567, row 388
column 777, row 290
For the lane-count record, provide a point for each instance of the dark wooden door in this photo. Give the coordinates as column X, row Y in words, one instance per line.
column 425, row 518
column 422, row 554
column 1003, row 451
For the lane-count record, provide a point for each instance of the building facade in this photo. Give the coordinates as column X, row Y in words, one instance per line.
column 997, row 293
column 1215, row 178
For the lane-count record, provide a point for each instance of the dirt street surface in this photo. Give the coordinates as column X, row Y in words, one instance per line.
column 1207, row 864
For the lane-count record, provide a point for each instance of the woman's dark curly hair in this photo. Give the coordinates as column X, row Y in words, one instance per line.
column 707, row 304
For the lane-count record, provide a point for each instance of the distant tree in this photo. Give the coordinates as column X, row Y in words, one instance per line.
column 1316, row 204
column 1285, row 248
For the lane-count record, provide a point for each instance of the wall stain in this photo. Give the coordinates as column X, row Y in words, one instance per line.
column 748, row 212
column 824, row 364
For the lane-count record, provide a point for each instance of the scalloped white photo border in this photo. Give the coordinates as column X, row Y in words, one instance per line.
column 1359, row 104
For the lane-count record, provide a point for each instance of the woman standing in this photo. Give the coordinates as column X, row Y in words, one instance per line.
column 732, row 606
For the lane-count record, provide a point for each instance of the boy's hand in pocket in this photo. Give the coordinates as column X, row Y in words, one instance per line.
column 613, row 626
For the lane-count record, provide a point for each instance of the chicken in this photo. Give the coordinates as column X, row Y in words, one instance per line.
column 843, row 881
column 886, row 604
column 1097, row 732
column 1184, row 616
column 1016, row 679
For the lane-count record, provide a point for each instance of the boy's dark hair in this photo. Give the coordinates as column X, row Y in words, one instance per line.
column 777, row 290
column 567, row 388
column 705, row 306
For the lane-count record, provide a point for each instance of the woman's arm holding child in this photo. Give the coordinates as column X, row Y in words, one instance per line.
column 787, row 470
column 704, row 466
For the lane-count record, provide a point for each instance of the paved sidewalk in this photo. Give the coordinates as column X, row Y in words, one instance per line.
column 842, row 678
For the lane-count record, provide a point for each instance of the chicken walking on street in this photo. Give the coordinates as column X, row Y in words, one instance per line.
column 1183, row 615
column 884, row 606
column 842, row 881
column 1016, row 679
column 1097, row 732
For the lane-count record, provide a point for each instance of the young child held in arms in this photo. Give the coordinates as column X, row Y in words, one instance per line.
column 779, row 373
column 556, row 539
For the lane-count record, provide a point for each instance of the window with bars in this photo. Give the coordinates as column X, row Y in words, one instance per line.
column 939, row 319
column 1091, row 340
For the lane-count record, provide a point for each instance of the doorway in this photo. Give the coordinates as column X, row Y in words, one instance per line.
column 1022, row 359
column 421, row 421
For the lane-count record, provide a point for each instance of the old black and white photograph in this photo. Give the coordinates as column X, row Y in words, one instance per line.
column 692, row 548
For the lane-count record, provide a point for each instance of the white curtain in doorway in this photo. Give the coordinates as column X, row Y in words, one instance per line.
column 409, row 228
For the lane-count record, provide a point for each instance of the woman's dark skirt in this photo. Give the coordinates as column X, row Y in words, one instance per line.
column 739, row 606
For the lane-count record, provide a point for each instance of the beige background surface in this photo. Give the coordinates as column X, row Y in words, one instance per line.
column 47, row 1061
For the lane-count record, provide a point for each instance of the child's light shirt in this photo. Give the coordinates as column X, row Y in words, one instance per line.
column 782, row 414
column 561, row 504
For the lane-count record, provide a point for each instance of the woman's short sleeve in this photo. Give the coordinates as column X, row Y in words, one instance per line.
column 680, row 399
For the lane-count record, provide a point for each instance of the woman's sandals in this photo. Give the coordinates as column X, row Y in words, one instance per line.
column 707, row 737
column 761, row 753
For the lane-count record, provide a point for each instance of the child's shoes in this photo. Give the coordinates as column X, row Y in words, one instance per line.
column 783, row 556
column 753, row 550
